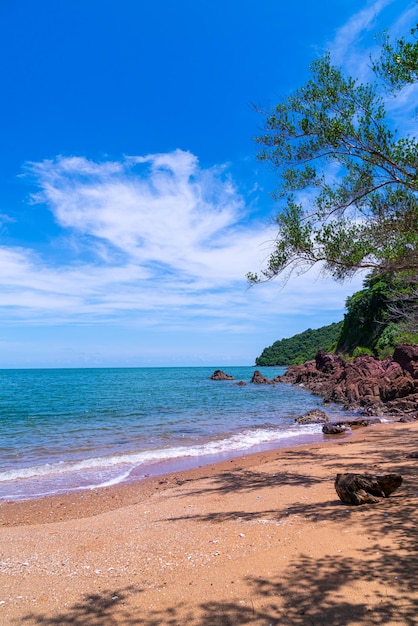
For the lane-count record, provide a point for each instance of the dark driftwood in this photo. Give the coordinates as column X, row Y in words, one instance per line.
column 365, row 488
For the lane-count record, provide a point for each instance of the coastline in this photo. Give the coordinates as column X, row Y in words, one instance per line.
column 258, row 539
column 126, row 422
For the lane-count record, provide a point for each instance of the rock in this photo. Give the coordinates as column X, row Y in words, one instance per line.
column 315, row 416
column 259, row 379
column 241, row 383
column 334, row 429
column 366, row 384
column 413, row 455
column 403, row 405
column 220, row 375
column 407, row 357
column 358, row 423
column 365, row 488
column 328, row 363
column 411, row 417
column 371, row 410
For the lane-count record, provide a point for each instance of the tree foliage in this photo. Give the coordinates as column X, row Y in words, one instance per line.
column 347, row 182
column 301, row 347
column 367, row 315
column 398, row 63
column 378, row 317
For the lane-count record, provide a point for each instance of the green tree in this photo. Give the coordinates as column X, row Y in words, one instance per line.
column 380, row 316
column 398, row 63
column 332, row 143
column 367, row 314
column 301, row 347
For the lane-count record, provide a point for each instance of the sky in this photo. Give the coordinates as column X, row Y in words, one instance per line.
column 132, row 204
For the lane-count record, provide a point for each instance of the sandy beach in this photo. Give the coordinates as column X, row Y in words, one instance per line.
column 261, row 539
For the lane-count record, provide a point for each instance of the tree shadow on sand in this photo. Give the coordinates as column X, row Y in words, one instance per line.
column 378, row 585
column 310, row 592
column 395, row 515
column 96, row 609
column 248, row 480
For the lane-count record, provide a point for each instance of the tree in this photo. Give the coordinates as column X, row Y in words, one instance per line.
column 403, row 304
column 331, row 143
column 398, row 64
column 367, row 314
column 301, row 347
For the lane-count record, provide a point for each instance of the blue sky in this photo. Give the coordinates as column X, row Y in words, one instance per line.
column 131, row 201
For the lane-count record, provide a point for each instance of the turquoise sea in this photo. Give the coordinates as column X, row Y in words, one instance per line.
column 71, row 429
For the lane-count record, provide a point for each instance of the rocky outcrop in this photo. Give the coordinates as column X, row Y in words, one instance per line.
column 220, row 375
column 407, row 357
column 358, row 422
column 334, row 429
column 314, row 416
column 388, row 386
column 409, row 417
column 365, row 488
column 259, row 379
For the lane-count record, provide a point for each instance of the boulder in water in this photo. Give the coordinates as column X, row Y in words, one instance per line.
column 220, row 375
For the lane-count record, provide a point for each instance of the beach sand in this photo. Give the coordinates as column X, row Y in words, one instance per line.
column 261, row 539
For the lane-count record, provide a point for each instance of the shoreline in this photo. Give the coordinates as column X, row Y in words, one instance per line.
column 258, row 539
column 117, row 441
column 156, row 467
column 64, row 505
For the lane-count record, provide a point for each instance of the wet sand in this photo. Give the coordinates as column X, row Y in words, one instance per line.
column 261, row 539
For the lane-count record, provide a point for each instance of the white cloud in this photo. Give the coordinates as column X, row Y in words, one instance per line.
column 358, row 40
column 168, row 244
column 403, row 110
column 344, row 46
column 157, row 209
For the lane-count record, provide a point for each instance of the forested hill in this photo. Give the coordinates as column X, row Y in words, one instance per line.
column 300, row 348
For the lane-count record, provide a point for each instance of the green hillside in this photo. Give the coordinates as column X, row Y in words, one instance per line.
column 300, row 348
column 379, row 317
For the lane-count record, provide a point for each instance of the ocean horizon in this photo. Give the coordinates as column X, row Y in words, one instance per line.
column 69, row 429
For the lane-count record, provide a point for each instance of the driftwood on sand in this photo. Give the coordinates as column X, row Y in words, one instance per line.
column 365, row 488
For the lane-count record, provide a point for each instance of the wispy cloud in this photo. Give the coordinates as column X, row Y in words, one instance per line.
column 358, row 41
column 154, row 239
column 160, row 209
column 345, row 49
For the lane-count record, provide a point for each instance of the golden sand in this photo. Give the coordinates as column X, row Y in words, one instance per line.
column 262, row 539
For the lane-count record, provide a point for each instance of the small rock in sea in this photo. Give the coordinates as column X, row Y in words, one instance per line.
column 315, row 416
column 240, row 383
column 259, row 379
column 220, row 375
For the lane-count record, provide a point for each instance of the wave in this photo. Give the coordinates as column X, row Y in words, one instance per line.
column 239, row 442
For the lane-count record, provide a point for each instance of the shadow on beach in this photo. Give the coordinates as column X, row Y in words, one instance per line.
column 374, row 585
column 307, row 594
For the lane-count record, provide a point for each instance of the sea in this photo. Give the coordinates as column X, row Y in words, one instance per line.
column 64, row 430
